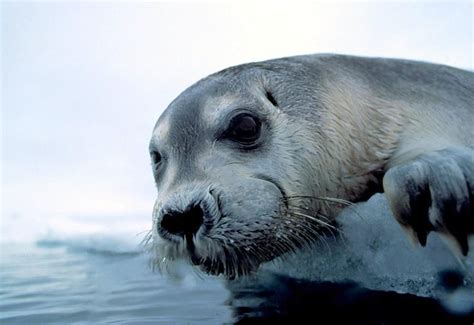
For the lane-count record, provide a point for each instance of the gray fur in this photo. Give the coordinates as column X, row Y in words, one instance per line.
column 333, row 126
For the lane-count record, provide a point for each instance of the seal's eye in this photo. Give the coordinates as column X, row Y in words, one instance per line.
column 155, row 159
column 244, row 128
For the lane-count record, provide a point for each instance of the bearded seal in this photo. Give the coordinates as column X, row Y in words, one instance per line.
column 257, row 160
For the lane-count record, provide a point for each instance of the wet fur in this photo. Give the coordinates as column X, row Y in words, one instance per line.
column 338, row 124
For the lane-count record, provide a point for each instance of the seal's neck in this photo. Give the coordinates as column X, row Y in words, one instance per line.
column 363, row 131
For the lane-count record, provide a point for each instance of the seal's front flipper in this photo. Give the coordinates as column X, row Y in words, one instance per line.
column 435, row 192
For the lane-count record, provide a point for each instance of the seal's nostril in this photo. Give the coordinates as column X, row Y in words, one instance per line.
column 183, row 223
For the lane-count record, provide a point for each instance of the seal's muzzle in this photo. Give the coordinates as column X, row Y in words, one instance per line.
column 183, row 223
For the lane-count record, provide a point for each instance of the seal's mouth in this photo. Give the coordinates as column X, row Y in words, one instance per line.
column 237, row 240
column 210, row 266
column 219, row 264
column 236, row 249
column 191, row 251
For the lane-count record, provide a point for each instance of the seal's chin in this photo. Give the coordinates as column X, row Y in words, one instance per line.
column 210, row 257
column 205, row 264
column 228, row 270
column 241, row 250
column 209, row 266
column 225, row 261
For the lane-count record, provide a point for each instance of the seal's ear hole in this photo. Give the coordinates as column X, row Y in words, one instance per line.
column 271, row 98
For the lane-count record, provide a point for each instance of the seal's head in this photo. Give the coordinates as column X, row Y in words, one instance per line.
column 238, row 160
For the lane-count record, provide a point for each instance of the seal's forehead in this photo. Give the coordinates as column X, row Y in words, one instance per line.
column 196, row 111
column 216, row 107
column 182, row 113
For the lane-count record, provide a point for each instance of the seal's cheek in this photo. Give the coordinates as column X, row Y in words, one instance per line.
column 251, row 199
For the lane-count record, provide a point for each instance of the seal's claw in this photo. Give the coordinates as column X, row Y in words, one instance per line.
column 435, row 192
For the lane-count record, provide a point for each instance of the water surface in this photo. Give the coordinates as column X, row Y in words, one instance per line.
column 55, row 284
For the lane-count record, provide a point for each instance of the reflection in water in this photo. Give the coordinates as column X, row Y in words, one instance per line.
column 368, row 273
column 274, row 297
column 354, row 279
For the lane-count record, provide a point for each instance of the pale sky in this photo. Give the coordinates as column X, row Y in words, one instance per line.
column 84, row 83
